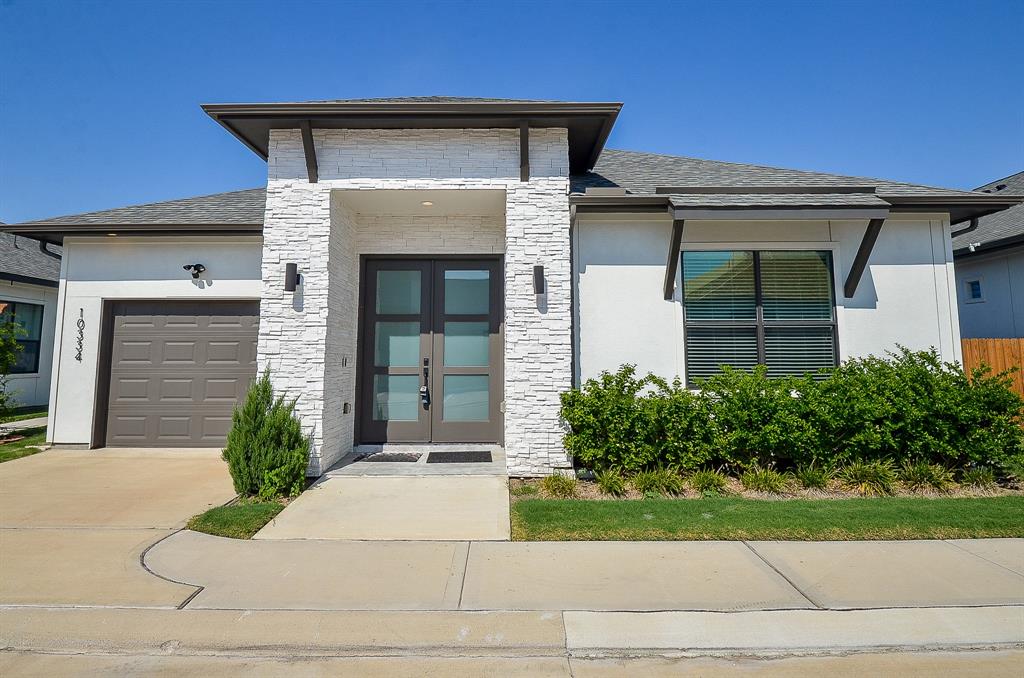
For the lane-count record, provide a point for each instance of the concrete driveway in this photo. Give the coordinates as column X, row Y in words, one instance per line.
column 74, row 524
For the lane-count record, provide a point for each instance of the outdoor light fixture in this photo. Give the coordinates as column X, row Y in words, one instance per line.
column 538, row 279
column 292, row 277
column 195, row 269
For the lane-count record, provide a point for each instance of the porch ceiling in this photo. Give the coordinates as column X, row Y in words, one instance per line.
column 409, row 202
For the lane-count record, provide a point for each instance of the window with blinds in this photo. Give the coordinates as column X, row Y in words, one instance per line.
column 773, row 308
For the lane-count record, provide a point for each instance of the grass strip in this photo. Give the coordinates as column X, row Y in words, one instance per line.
column 23, row 448
column 239, row 521
column 730, row 518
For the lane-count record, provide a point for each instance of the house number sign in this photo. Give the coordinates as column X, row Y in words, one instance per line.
column 80, row 323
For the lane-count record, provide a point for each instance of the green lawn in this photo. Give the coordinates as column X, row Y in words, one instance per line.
column 20, row 448
column 734, row 518
column 240, row 521
column 24, row 413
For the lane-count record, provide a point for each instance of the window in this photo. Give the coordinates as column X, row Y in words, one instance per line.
column 972, row 291
column 30, row 317
column 773, row 308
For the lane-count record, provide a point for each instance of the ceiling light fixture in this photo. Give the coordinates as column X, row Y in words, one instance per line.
column 427, row 203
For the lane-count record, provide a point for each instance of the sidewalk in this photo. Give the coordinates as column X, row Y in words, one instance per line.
column 598, row 576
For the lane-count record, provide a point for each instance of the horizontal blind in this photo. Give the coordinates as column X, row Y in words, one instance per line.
column 798, row 350
column 719, row 285
column 709, row 347
column 796, row 286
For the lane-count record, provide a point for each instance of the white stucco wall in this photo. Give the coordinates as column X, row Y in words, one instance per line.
column 98, row 269
column 1000, row 313
column 905, row 297
column 304, row 224
column 33, row 388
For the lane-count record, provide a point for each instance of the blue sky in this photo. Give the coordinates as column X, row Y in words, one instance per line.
column 99, row 101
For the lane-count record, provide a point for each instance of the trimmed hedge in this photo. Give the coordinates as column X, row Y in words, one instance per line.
column 907, row 408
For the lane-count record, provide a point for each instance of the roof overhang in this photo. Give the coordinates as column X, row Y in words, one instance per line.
column 55, row 234
column 989, row 247
column 960, row 208
column 589, row 124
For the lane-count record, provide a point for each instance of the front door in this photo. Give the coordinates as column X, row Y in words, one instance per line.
column 431, row 351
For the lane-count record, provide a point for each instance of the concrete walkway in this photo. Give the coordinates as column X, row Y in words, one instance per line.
column 402, row 500
column 36, row 422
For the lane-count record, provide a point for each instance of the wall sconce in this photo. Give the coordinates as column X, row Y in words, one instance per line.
column 292, row 277
column 195, row 269
column 538, row 279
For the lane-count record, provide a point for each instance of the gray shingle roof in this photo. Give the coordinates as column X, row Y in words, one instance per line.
column 20, row 256
column 999, row 226
column 236, row 207
column 643, row 173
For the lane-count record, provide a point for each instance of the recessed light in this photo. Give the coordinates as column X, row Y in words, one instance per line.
column 112, row 235
column 427, row 203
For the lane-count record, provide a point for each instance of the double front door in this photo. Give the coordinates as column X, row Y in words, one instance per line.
column 431, row 350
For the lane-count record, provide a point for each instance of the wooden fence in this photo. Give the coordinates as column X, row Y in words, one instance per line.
column 999, row 354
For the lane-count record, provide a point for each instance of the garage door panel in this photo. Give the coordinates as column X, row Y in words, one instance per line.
column 177, row 371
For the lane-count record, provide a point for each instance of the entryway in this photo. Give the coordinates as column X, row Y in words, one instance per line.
column 431, row 350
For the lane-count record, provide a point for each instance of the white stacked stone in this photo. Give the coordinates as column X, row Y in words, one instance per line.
column 309, row 339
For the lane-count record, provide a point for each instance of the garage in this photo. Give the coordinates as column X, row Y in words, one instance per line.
column 176, row 370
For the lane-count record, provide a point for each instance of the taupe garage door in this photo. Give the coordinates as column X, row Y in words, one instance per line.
column 177, row 369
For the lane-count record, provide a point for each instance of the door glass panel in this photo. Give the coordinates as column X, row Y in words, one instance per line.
column 396, row 397
column 466, row 344
column 398, row 292
column 466, row 397
column 467, row 292
column 398, row 344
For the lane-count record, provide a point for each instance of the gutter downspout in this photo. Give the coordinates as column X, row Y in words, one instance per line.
column 972, row 227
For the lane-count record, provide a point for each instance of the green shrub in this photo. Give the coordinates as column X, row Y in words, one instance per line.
column 981, row 477
column 921, row 475
column 9, row 350
column 760, row 479
column 684, row 427
column 761, row 420
column 610, row 423
column 707, row 481
column 660, row 481
column 908, row 407
column 266, row 451
column 563, row 487
column 869, row 478
column 611, row 482
column 813, row 477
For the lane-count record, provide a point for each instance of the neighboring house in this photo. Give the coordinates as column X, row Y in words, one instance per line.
column 989, row 258
column 29, row 274
column 441, row 270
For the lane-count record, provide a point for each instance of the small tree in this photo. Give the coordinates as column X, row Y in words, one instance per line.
column 9, row 350
column 266, row 451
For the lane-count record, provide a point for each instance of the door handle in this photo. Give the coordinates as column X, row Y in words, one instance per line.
column 424, row 390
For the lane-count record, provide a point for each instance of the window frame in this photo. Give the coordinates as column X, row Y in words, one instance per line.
column 968, row 299
column 758, row 323
column 24, row 342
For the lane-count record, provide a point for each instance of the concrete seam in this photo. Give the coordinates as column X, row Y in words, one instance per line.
column 142, row 562
column 980, row 557
column 465, row 572
column 787, row 579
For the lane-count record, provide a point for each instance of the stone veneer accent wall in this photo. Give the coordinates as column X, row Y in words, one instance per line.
column 308, row 339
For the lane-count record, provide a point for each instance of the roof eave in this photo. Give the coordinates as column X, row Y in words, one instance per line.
column 55, row 233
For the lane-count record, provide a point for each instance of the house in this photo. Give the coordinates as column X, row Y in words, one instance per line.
column 989, row 260
column 29, row 274
column 435, row 269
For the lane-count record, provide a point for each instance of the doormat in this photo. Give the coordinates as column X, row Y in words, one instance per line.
column 460, row 457
column 392, row 456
